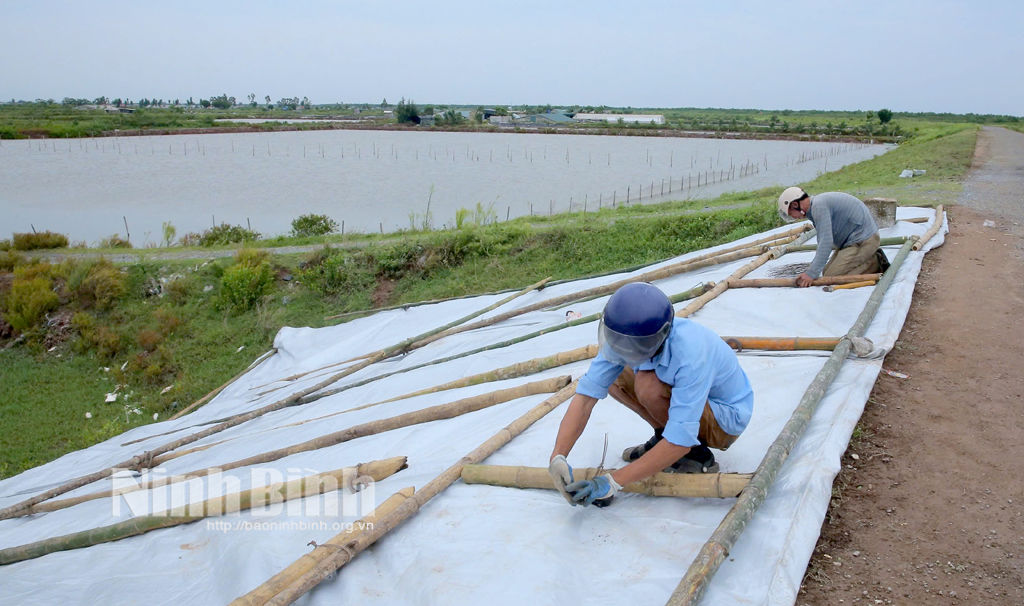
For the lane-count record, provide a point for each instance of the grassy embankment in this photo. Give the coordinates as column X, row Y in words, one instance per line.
column 189, row 338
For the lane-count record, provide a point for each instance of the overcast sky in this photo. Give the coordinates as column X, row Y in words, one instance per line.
column 905, row 55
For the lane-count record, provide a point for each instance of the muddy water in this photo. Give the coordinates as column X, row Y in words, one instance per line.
column 371, row 180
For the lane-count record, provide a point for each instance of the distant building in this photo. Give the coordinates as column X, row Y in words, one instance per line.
column 627, row 118
column 500, row 119
column 548, row 118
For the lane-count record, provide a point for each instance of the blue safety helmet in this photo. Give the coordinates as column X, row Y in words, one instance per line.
column 635, row 323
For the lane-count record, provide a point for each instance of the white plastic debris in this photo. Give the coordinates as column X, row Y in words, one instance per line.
column 988, row 223
column 106, row 369
column 125, row 365
column 572, row 315
column 240, row 349
column 156, row 415
column 906, row 174
column 919, row 172
column 51, row 349
column 88, row 415
column 166, row 389
column 111, row 397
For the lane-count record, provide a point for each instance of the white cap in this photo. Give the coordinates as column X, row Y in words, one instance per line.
column 789, row 195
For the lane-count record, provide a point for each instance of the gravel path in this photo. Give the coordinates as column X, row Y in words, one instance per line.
column 995, row 185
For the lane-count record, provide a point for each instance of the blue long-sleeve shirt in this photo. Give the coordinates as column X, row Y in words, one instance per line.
column 841, row 220
column 700, row 368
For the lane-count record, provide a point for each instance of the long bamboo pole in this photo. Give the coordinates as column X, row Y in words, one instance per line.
column 893, row 241
column 934, row 229
column 712, row 485
column 513, row 371
column 385, row 524
column 699, row 289
column 212, row 507
column 706, row 260
column 622, row 270
column 692, row 587
column 787, row 282
column 210, row 396
column 280, row 581
column 432, row 336
column 424, row 415
column 851, row 285
column 783, row 343
column 722, row 286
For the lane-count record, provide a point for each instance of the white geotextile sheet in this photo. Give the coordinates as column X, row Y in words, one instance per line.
column 480, row 544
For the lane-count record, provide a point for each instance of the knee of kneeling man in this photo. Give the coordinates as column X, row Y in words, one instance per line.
column 650, row 389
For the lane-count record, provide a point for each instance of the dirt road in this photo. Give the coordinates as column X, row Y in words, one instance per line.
column 929, row 506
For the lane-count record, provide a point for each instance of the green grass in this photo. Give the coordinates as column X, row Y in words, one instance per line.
column 46, row 396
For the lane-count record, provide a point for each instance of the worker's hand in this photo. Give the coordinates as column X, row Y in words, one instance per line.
column 561, row 474
column 598, row 491
column 803, row 280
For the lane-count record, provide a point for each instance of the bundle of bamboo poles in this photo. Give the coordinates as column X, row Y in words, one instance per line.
column 425, row 415
column 349, row 546
column 212, row 507
column 693, row 585
column 710, row 485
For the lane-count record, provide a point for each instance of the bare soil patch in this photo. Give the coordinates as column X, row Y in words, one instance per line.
column 929, row 507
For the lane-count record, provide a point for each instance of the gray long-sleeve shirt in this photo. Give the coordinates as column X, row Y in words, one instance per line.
column 841, row 220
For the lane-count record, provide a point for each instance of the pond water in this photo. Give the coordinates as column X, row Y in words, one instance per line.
column 372, row 180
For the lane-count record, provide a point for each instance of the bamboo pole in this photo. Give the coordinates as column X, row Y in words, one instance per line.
column 577, row 322
column 424, row 415
column 658, row 274
column 791, row 282
column 916, row 220
column 438, row 333
column 850, row 285
column 339, row 557
column 621, row 270
column 893, row 241
column 722, row 286
column 934, row 229
column 213, row 393
column 280, row 581
column 513, row 371
column 782, row 343
column 212, row 507
column 692, row 587
column 712, row 485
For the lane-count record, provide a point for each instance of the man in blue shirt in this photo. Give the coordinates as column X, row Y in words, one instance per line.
column 675, row 374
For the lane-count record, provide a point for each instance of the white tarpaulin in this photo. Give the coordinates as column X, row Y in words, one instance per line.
column 477, row 544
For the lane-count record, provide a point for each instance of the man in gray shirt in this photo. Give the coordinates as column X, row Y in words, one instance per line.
column 844, row 223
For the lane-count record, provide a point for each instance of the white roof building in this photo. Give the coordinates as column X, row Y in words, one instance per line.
column 627, row 118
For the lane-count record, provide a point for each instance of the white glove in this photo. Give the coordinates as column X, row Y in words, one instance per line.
column 561, row 475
